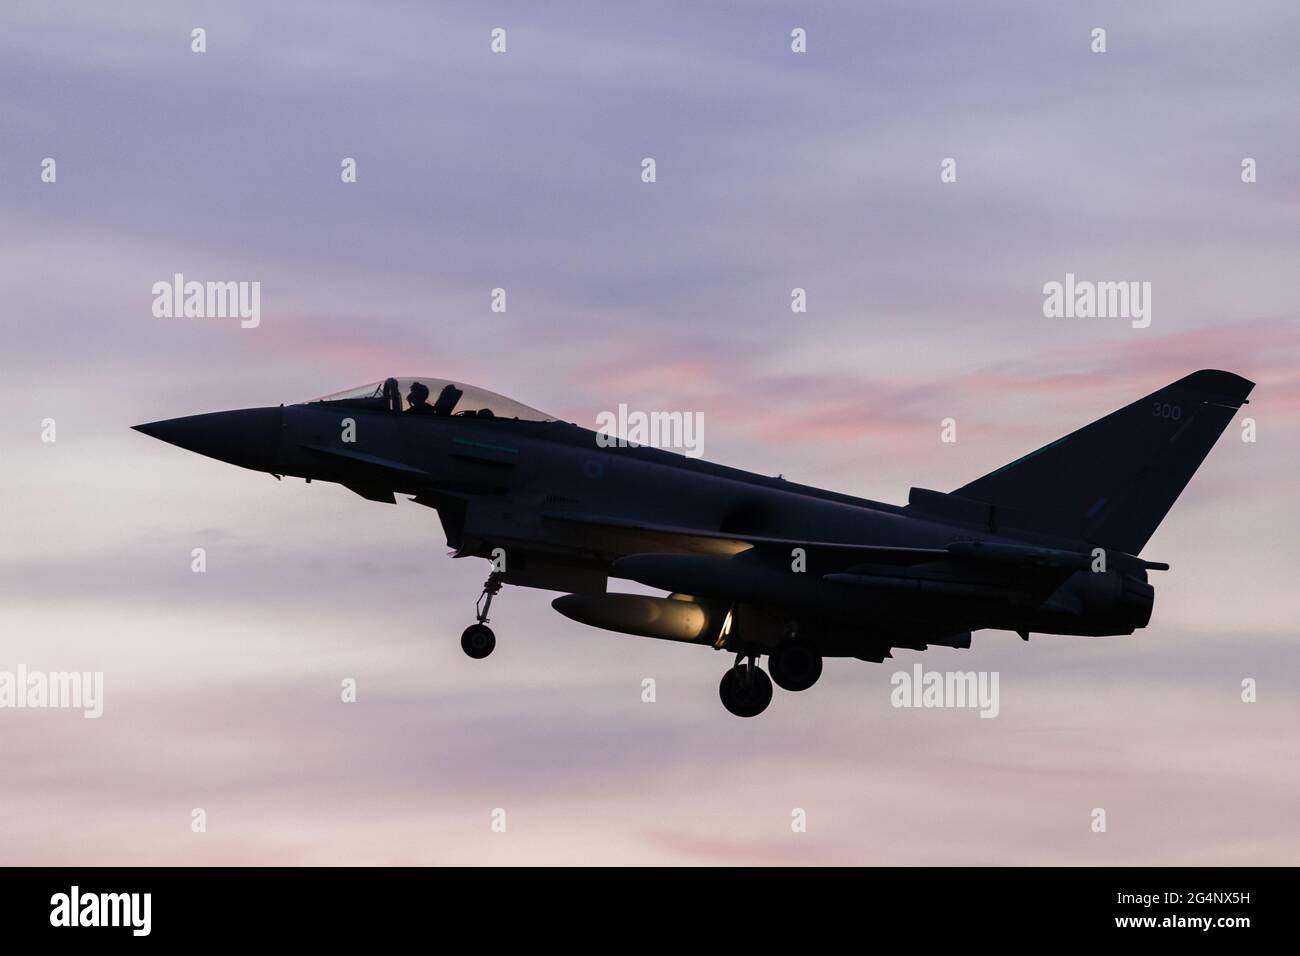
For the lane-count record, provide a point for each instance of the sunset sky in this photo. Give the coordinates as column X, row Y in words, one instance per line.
column 522, row 170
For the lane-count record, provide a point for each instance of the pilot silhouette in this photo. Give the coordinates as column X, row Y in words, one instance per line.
column 418, row 400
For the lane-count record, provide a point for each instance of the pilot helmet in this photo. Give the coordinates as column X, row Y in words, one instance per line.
column 419, row 392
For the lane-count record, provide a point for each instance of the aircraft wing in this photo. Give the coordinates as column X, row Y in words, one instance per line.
column 648, row 537
column 630, row 536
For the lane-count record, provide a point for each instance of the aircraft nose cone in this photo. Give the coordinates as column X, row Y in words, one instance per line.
column 247, row 437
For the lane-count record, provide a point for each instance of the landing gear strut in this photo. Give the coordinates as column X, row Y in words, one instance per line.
column 745, row 690
column 478, row 640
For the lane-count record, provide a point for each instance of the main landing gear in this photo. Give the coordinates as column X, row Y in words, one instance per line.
column 478, row 641
column 745, row 690
column 795, row 666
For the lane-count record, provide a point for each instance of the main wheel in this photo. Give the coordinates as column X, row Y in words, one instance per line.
column 795, row 666
column 478, row 641
column 745, row 691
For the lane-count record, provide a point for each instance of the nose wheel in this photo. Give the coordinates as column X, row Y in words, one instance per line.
column 477, row 640
column 745, row 690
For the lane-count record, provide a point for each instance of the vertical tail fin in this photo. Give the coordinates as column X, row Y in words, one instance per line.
column 1112, row 482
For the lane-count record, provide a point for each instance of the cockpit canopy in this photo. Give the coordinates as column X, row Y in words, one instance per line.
column 434, row 396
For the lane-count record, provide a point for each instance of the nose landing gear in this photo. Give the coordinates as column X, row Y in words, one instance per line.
column 745, row 690
column 478, row 641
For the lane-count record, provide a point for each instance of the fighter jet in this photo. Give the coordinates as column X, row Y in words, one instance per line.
column 752, row 565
